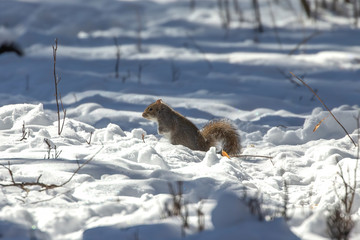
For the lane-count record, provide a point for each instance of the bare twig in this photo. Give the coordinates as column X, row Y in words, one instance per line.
column 306, row 85
column 25, row 186
column 305, row 40
column 238, row 10
column 224, row 23
column 80, row 167
column 143, row 137
column 254, row 204
column 257, row 15
column 286, row 75
column 177, row 198
column 175, row 72
column 339, row 225
column 339, row 222
column 51, row 145
column 306, row 7
column 201, row 217
column 356, row 13
column 89, row 142
column 225, row 16
column 179, row 206
column 285, row 207
column 117, row 57
column 139, row 30
column 274, row 24
column 24, row 133
column 252, row 156
column 57, row 93
column 127, row 76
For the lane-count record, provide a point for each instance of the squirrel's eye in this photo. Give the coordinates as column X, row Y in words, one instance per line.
column 150, row 109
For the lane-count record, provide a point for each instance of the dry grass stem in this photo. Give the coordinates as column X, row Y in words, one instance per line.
column 322, row 102
column 201, row 217
column 251, row 156
column 89, row 141
column 24, row 133
column 117, row 63
column 57, row 93
column 305, row 40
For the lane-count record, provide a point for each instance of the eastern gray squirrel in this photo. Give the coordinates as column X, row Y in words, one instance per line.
column 180, row 130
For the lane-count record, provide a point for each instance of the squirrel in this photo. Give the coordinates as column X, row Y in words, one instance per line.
column 181, row 131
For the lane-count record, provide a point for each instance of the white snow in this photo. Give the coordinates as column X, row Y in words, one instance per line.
column 189, row 61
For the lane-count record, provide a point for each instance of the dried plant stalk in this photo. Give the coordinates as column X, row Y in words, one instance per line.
column 322, row 102
column 57, row 93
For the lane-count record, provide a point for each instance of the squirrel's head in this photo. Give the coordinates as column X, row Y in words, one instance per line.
column 153, row 110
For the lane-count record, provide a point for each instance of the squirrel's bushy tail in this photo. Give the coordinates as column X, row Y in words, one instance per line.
column 223, row 132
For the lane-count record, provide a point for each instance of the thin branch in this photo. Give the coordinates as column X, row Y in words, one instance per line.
column 117, row 57
column 139, row 30
column 275, row 28
column 24, row 133
column 25, row 185
column 57, row 93
column 78, row 169
column 357, row 161
column 143, row 137
column 175, row 72
column 201, row 217
column 306, row 7
column 255, row 156
column 238, row 11
column 288, row 77
column 89, row 142
column 303, row 82
column 257, row 13
column 64, row 114
column 305, row 40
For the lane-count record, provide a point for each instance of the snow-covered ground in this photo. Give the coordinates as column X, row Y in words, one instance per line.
column 122, row 185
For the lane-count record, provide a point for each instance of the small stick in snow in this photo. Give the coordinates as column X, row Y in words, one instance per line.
column 57, row 92
column 89, row 142
column 24, row 133
column 288, row 77
column 255, row 156
column 117, row 57
column 143, row 137
column 52, row 145
column 139, row 30
column 201, row 217
column 305, row 40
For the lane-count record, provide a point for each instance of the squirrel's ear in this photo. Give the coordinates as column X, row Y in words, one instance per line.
column 158, row 101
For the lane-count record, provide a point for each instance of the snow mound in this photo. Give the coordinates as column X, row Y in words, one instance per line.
column 328, row 128
column 14, row 116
